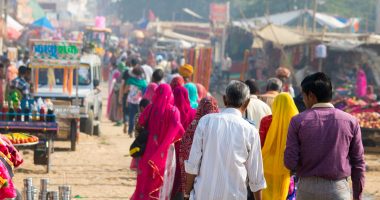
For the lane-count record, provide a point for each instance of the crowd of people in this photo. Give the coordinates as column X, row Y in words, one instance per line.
column 260, row 145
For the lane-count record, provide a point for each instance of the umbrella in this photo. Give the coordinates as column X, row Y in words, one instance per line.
column 43, row 23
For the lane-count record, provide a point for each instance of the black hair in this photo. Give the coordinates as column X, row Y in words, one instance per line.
column 1, row 65
column 134, row 62
column 158, row 75
column 253, row 88
column 144, row 103
column 22, row 70
column 320, row 85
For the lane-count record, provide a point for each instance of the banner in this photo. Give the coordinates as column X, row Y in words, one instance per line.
column 220, row 12
column 55, row 53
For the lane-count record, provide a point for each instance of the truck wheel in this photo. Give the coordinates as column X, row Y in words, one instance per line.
column 100, row 113
column 97, row 130
column 73, row 135
column 82, row 125
column 89, row 126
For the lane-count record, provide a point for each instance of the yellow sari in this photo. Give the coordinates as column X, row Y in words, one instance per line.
column 276, row 174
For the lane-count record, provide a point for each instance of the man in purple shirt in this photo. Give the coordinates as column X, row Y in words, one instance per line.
column 324, row 146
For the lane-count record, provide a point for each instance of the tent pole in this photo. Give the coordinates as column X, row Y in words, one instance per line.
column 315, row 7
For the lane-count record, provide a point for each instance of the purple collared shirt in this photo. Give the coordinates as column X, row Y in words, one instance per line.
column 326, row 142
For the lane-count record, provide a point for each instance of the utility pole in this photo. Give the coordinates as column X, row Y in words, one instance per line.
column 315, row 8
column 3, row 24
column 267, row 12
column 378, row 17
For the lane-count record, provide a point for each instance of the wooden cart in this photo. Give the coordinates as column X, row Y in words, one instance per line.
column 45, row 131
column 371, row 139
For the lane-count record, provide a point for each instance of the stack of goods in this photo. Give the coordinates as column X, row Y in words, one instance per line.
column 31, row 192
column 21, row 138
column 9, row 159
column 367, row 113
column 39, row 110
column 368, row 119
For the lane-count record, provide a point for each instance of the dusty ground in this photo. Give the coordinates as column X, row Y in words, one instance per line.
column 99, row 169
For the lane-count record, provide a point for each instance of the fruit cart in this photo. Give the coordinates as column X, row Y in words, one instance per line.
column 56, row 76
column 45, row 131
column 368, row 115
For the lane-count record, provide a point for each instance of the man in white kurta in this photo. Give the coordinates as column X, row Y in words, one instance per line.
column 226, row 153
column 256, row 109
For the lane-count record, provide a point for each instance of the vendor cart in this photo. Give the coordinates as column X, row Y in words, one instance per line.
column 45, row 131
column 371, row 139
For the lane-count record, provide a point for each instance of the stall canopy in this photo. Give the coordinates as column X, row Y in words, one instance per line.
column 43, row 23
column 297, row 17
column 280, row 36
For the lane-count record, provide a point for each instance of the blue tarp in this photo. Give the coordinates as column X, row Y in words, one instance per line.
column 42, row 23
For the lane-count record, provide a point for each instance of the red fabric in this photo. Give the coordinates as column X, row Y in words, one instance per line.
column 7, row 149
column 15, row 156
column 164, row 129
column 149, row 93
column 182, row 102
column 8, row 191
column 206, row 106
column 264, row 127
column 202, row 92
column 177, row 81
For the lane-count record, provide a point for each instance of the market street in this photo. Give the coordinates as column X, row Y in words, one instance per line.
column 99, row 169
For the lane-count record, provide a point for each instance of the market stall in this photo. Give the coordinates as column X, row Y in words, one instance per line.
column 37, row 121
column 368, row 113
column 34, row 128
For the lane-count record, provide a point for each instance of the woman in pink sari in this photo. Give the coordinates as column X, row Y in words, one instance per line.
column 154, row 180
column 114, row 108
column 182, row 102
column 149, row 93
column 361, row 83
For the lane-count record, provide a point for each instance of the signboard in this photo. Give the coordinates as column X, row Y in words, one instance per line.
column 62, row 54
column 220, row 12
column 67, row 111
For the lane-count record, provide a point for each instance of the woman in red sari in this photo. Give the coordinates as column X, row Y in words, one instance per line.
column 164, row 126
column 206, row 106
column 182, row 102
column 177, row 81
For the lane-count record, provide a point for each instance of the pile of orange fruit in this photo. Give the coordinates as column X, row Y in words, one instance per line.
column 21, row 138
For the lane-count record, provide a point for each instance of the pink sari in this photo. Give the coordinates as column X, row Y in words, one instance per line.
column 150, row 91
column 181, row 100
column 165, row 129
column 113, row 98
column 11, row 155
column 361, row 83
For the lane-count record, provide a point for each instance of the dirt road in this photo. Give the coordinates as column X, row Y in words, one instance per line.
column 99, row 169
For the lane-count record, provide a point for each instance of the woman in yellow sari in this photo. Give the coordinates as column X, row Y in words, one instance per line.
column 276, row 174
